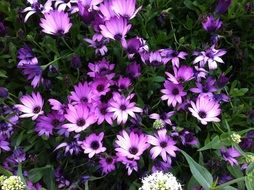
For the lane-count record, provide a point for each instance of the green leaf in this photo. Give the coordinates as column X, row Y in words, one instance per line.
column 201, row 174
column 20, row 173
column 5, row 172
column 214, row 144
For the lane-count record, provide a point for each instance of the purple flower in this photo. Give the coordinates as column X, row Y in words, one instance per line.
column 188, row 138
column 132, row 45
column 101, row 111
column 93, row 144
column 62, row 5
column 222, row 81
column 100, row 69
column 162, row 166
column 206, row 87
column 57, row 106
column 76, row 62
column 82, row 94
column 32, row 186
column 4, row 144
column 211, row 56
column 222, row 6
column 153, row 59
column 133, row 70
column 31, row 105
column 173, row 93
column 98, row 42
column 4, row 92
column 165, row 117
column 56, row 23
column 173, row 56
column 163, row 144
column 72, row 147
column 60, row 179
column 229, row 154
column 100, row 86
column 18, row 156
column 130, row 164
column 79, row 117
column 33, row 73
column 122, row 107
column 125, row 8
column 46, row 124
column 183, row 74
column 107, row 164
column 123, row 83
column 115, row 28
column 210, row 24
column 205, row 109
column 131, row 146
column 2, row 29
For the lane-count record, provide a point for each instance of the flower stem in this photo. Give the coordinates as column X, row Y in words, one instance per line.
column 231, row 182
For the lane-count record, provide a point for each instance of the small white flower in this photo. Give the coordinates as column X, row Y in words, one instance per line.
column 13, row 183
column 160, row 181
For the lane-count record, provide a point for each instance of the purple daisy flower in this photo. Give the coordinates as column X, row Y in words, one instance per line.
column 173, row 56
column 115, row 28
column 4, row 144
column 210, row 24
column 100, row 86
column 79, row 117
column 98, row 42
column 122, row 107
column 101, row 111
column 188, row 138
column 100, row 69
column 123, row 83
column 131, row 165
column 107, row 164
column 82, row 94
column 222, row 6
column 56, row 23
column 125, row 8
column 31, row 186
column 133, row 70
column 31, row 105
column 26, row 56
column 165, row 117
column 46, row 124
column 131, row 146
column 173, row 93
column 162, row 166
column 62, row 5
column 153, row 59
column 106, row 12
column 211, row 56
column 183, row 74
column 57, row 106
column 93, row 144
column 207, row 86
column 205, row 109
column 163, row 144
column 229, row 154
column 72, row 147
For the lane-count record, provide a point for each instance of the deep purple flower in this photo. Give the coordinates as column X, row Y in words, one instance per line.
column 222, row 6
column 188, row 138
column 154, row 59
column 100, row 69
column 2, row 29
column 130, row 164
column 173, row 93
column 93, row 144
column 82, row 94
column 183, row 74
column 122, row 107
column 79, row 117
column 125, row 8
column 102, row 113
column 72, row 147
column 207, row 86
column 133, row 70
column 173, row 56
column 18, row 156
column 62, row 182
column 163, row 144
column 115, row 28
column 46, row 124
column 164, row 117
column 123, row 83
column 210, row 24
column 222, row 81
column 133, row 45
column 33, row 73
column 229, row 154
column 100, row 86
column 205, row 109
column 32, row 186
column 4, row 92
column 57, row 106
column 162, row 166
column 247, row 142
column 107, row 164
column 224, row 179
column 98, row 42
column 4, row 144
column 31, row 105
column 56, row 23
column 76, row 62
column 131, row 146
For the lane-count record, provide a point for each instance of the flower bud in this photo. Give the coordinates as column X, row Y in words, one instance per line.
column 158, row 124
column 3, row 92
column 235, row 138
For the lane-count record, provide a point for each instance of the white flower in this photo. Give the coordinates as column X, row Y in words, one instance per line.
column 160, row 181
column 13, row 183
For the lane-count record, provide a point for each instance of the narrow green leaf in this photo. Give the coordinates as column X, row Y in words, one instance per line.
column 214, row 144
column 5, row 172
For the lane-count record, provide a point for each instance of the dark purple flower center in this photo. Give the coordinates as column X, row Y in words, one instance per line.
column 155, row 63
column 37, row 109
column 95, row 145
column 202, row 114
column 103, row 110
column 81, row 122
column 133, row 150
column 175, row 91
column 163, row 144
column 123, row 107
column 84, row 100
column 60, row 32
column 175, row 54
column 55, row 122
column 122, row 86
column 66, row 1
column 37, row 7
column 109, row 160
column 118, row 36
column 100, row 88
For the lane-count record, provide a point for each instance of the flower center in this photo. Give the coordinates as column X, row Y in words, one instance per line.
column 103, row 110
column 84, row 100
column 37, row 109
column 95, row 145
column 133, row 150
column 202, row 114
column 81, row 122
column 55, row 122
column 60, row 32
column 175, row 91
column 100, row 88
column 109, row 160
column 163, row 144
column 123, row 107
column 118, row 36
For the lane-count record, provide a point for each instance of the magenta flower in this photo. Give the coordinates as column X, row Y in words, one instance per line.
column 115, row 28
column 93, row 144
column 123, row 83
column 165, row 117
column 122, row 107
column 72, row 147
column 106, row 12
column 206, row 87
column 100, row 86
column 173, row 93
column 56, row 23
column 82, row 93
column 129, row 163
column 107, row 164
column 79, row 117
column 31, row 105
column 205, row 109
column 230, row 154
column 163, row 144
column 154, row 59
column 101, row 111
column 98, row 42
column 173, row 56
column 125, row 8
column 100, row 69
column 57, row 106
column 131, row 146
column 183, row 74
column 210, row 24
column 4, row 144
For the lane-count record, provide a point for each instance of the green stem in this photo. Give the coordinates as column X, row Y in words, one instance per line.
column 66, row 44
column 231, row 182
column 50, row 63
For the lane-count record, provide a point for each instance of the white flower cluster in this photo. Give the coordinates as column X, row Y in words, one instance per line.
column 160, row 181
column 13, row 183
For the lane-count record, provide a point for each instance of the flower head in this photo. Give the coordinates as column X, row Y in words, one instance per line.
column 56, row 23
column 173, row 56
column 181, row 75
column 222, row 6
column 107, row 164
column 230, row 154
column 13, row 182
column 210, row 24
column 93, row 144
